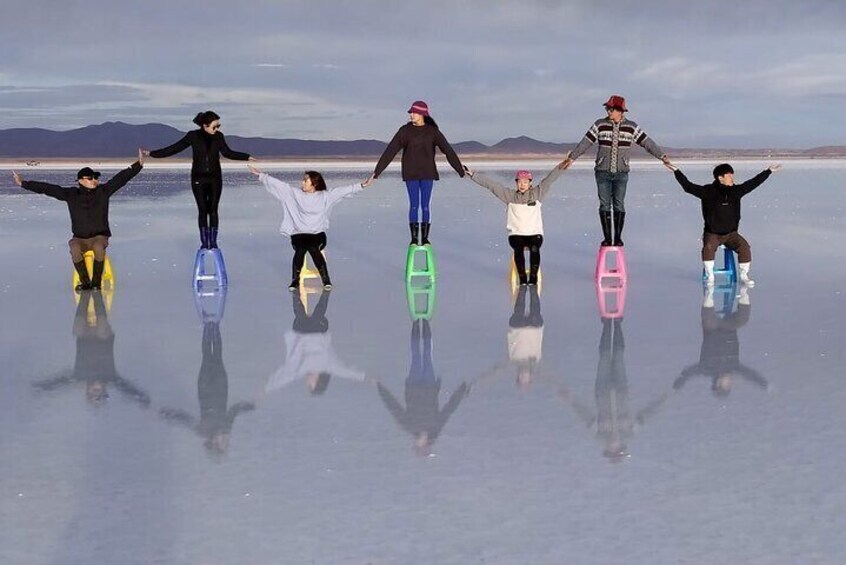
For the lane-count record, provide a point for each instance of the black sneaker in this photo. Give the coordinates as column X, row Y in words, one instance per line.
column 294, row 286
column 533, row 280
column 82, row 286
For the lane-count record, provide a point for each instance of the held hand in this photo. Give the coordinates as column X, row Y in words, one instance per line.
column 566, row 163
column 367, row 182
column 146, row 152
column 251, row 158
column 468, row 171
column 17, row 177
column 775, row 168
column 255, row 170
column 141, row 156
column 669, row 164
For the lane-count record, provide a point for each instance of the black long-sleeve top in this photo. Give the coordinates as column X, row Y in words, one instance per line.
column 206, row 150
column 89, row 209
column 721, row 204
column 418, row 145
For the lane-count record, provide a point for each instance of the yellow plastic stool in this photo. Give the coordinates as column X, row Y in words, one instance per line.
column 515, row 279
column 108, row 280
column 309, row 272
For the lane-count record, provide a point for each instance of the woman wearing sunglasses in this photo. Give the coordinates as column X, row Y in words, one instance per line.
column 207, row 144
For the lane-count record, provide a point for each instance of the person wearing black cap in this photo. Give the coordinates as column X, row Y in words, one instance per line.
column 207, row 144
column 615, row 136
column 88, row 204
column 721, row 212
column 418, row 140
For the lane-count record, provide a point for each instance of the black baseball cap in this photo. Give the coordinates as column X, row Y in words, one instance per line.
column 87, row 172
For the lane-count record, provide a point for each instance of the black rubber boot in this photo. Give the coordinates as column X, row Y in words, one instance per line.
column 324, row 276
column 212, row 238
column 619, row 220
column 84, row 279
column 424, row 233
column 97, row 279
column 204, row 238
column 605, row 221
column 415, row 232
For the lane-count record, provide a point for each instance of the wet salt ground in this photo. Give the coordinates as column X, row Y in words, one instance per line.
column 517, row 474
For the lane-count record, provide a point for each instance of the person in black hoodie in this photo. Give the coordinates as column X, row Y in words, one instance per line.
column 88, row 204
column 207, row 144
column 721, row 212
column 418, row 140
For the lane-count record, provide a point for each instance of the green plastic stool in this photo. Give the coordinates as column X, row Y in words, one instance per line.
column 426, row 294
column 427, row 271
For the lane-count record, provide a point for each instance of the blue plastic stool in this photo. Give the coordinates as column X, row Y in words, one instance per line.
column 729, row 267
column 210, row 305
column 216, row 279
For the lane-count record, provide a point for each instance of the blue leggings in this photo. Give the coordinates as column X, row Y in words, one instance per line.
column 419, row 195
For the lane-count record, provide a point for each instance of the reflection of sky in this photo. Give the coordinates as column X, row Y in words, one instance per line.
column 516, row 475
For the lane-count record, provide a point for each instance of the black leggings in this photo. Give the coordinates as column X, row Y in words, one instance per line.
column 207, row 192
column 518, row 243
column 311, row 243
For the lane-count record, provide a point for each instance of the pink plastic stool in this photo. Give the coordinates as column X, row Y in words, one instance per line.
column 611, row 301
column 604, row 271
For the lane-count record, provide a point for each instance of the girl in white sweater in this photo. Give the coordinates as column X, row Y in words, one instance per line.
column 306, row 217
column 523, row 216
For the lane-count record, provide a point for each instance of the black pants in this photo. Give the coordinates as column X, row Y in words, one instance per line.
column 311, row 243
column 207, row 191
column 518, row 243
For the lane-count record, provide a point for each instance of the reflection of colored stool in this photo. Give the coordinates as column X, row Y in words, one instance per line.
column 729, row 268
column 728, row 299
column 515, row 279
column 421, row 300
column 202, row 277
column 611, row 301
column 604, row 270
column 309, row 272
column 108, row 296
column 210, row 305
column 428, row 269
column 108, row 280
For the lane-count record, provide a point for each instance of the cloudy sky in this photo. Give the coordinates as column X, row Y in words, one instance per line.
column 695, row 74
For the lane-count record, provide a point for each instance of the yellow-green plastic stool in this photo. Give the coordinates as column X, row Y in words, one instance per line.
column 427, row 271
column 108, row 280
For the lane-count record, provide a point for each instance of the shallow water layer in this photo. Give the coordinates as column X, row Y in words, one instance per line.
column 475, row 425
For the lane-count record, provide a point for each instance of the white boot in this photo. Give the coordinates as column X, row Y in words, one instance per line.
column 708, row 302
column 743, row 297
column 708, row 267
column 743, row 273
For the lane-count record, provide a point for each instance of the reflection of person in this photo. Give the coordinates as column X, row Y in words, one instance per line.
column 418, row 140
column 207, row 145
column 95, row 356
column 422, row 417
column 309, row 353
column 88, row 204
column 615, row 136
column 523, row 216
column 216, row 416
column 719, row 356
column 721, row 212
column 613, row 419
column 306, row 217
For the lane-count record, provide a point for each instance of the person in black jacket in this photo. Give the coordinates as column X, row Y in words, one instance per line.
column 88, row 204
column 721, row 212
column 418, row 140
column 207, row 144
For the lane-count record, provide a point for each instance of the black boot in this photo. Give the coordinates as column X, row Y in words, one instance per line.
column 204, row 238
column 212, row 238
column 97, row 279
column 605, row 221
column 324, row 276
column 533, row 275
column 619, row 220
column 84, row 280
column 424, row 233
column 415, row 231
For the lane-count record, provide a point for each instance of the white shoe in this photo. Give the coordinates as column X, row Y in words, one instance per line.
column 743, row 271
column 708, row 269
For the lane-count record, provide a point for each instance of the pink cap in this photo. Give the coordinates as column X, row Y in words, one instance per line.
column 521, row 174
column 419, row 107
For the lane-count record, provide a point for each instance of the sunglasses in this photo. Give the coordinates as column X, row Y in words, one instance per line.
column 215, row 128
column 614, row 109
column 89, row 178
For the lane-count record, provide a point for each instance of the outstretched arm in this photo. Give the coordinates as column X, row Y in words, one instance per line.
column 279, row 189
column 646, row 142
column 589, row 139
column 229, row 153
column 390, row 152
column 180, row 145
column 119, row 180
column 497, row 189
column 549, row 179
column 447, row 150
column 757, row 180
column 47, row 189
column 690, row 188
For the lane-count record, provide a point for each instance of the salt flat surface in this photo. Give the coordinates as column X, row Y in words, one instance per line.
column 199, row 456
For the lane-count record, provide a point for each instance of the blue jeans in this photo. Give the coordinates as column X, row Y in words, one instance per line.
column 612, row 190
column 419, row 196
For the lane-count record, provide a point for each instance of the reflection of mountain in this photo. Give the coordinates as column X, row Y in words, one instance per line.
column 719, row 356
column 95, row 356
column 422, row 417
column 309, row 354
column 216, row 416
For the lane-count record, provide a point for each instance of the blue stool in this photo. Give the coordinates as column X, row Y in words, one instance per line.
column 210, row 305
column 203, row 278
column 729, row 267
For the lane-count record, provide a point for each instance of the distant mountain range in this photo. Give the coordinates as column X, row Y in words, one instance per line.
column 118, row 139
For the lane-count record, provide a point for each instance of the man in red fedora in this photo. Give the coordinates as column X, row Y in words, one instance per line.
column 615, row 135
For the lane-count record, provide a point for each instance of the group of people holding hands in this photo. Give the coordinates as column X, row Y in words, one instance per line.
column 307, row 208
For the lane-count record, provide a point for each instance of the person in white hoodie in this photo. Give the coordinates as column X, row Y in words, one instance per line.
column 523, row 216
column 306, row 217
